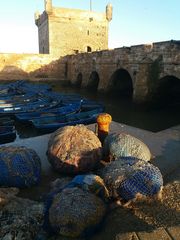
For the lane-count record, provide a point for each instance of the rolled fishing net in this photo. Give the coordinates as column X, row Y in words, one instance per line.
column 19, row 167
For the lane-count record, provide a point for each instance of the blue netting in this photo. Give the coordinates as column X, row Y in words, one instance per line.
column 146, row 181
column 124, row 145
column 130, row 161
column 19, row 167
column 91, row 183
column 87, row 182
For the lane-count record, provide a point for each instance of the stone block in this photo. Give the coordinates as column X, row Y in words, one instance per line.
column 157, row 234
column 127, row 236
column 174, row 232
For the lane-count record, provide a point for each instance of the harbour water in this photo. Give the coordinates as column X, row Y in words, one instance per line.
column 122, row 109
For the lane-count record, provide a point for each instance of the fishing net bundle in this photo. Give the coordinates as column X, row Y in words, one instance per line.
column 91, row 183
column 75, row 212
column 19, row 167
column 124, row 145
column 74, row 149
column 129, row 177
column 77, row 207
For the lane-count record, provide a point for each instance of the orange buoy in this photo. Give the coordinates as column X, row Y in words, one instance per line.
column 103, row 122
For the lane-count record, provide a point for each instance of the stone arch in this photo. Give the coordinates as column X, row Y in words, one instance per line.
column 120, row 83
column 93, row 81
column 168, row 90
column 88, row 49
column 78, row 80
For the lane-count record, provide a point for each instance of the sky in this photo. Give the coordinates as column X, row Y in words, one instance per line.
column 134, row 22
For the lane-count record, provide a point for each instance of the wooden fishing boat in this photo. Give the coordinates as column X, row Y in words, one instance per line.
column 61, row 110
column 27, row 86
column 57, row 116
column 28, row 98
column 29, row 107
column 6, row 121
column 45, row 109
column 10, row 89
column 18, row 98
column 7, row 134
column 50, row 125
column 21, row 91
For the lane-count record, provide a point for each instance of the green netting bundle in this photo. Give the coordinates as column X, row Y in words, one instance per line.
column 118, row 145
column 19, row 167
column 74, row 149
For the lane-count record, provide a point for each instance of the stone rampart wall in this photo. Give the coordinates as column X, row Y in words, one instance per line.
column 67, row 31
column 146, row 64
column 31, row 67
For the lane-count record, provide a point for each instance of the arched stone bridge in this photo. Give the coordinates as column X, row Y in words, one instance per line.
column 146, row 72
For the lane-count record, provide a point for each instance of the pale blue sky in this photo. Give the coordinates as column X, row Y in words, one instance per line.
column 134, row 22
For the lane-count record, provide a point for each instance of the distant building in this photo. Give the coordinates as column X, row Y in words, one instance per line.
column 69, row 31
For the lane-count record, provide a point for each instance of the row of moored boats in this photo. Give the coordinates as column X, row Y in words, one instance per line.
column 46, row 110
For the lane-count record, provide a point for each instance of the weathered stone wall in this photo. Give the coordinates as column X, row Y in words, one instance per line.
column 146, row 64
column 31, row 67
column 67, row 31
column 43, row 33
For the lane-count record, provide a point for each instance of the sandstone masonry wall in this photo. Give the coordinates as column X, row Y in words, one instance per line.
column 31, row 67
column 67, row 31
column 43, row 32
column 146, row 64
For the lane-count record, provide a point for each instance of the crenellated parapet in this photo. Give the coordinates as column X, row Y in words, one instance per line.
column 109, row 12
column 48, row 6
column 64, row 31
column 40, row 18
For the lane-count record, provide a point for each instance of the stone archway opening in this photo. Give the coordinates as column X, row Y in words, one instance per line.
column 89, row 49
column 168, row 90
column 93, row 81
column 78, row 81
column 120, row 84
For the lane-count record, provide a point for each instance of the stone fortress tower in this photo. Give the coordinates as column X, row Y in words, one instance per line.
column 64, row 31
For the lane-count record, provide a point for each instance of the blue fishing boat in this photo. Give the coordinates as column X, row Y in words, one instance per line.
column 7, row 134
column 6, row 121
column 5, row 88
column 27, row 86
column 50, row 125
column 45, row 109
column 18, row 98
column 21, row 90
column 28, row 107
column 61, row 110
